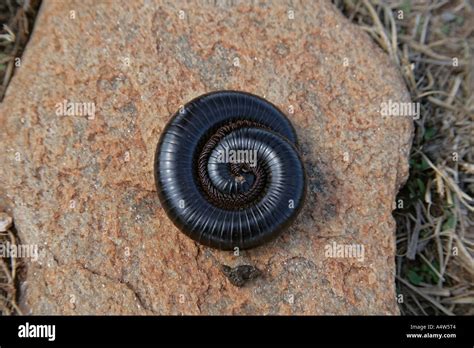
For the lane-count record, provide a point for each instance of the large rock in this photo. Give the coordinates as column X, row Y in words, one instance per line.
column 83, row 190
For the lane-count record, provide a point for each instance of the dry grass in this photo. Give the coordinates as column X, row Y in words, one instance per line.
column 16, row 22
column 435, row 228
column 9, row 270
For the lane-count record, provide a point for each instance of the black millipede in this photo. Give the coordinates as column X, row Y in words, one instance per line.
column 212, row 194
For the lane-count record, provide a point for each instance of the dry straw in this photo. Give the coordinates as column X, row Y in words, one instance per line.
column 431, row 42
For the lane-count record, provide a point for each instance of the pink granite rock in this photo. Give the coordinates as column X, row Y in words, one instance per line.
column 81, row 186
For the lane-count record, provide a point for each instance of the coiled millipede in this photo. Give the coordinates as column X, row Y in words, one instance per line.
column 228, row 201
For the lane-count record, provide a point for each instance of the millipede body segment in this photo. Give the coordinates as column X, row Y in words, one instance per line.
column 228, row 172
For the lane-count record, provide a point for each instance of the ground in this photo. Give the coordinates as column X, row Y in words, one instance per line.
column 431, row 42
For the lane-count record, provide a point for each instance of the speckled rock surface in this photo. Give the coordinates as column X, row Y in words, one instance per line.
column 82, row 188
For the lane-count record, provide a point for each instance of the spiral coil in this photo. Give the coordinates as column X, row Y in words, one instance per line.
column 229, row 203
